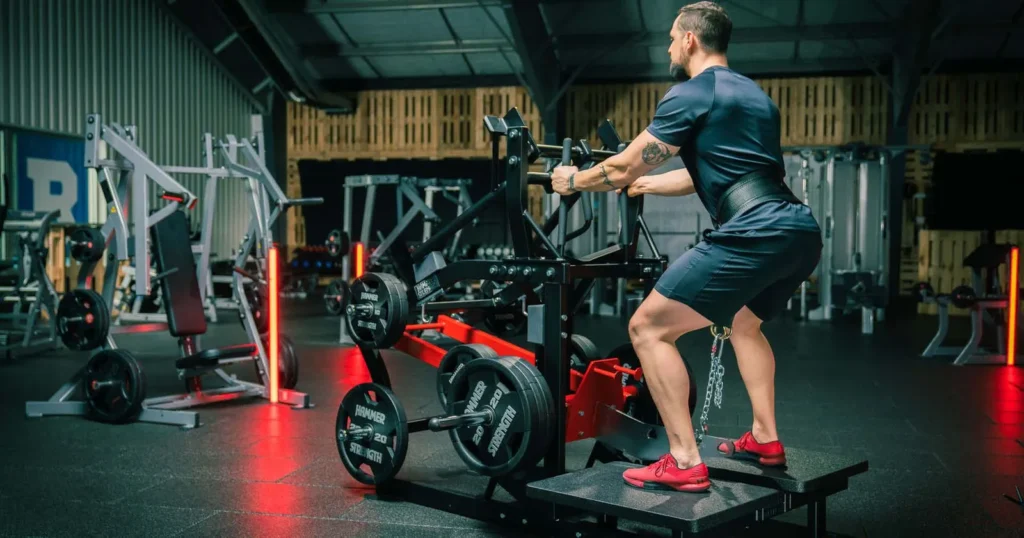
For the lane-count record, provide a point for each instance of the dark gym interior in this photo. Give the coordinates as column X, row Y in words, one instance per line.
column 302, row 268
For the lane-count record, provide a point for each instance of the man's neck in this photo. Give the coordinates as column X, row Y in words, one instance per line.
column 711, row 60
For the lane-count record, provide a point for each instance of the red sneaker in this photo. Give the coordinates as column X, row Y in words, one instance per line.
column 771, row 454
column 665, row 474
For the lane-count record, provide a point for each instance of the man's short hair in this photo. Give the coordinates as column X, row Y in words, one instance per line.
column 709, row 22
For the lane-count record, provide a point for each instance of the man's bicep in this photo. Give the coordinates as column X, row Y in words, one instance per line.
column 646, row 152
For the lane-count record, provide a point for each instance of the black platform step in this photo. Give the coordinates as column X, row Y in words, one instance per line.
column 600, row 490
column 806, row 471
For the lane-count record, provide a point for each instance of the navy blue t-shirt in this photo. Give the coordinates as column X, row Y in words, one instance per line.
column 726, row 127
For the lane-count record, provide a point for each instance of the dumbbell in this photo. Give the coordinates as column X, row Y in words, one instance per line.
column 924, row 291
column 963, row 297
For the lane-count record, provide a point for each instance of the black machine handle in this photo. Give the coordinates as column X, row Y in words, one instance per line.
column 304, row 201
column 563, row 208
column 184, row 198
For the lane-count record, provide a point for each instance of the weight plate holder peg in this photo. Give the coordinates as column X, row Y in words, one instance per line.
column 337, row 243
column 114, row 386
column 87, row 244
column 641, row 405
column 378, row 310
column 372, row 433
column 336, row 297
column 287, row 361
column 506, row 430
column 83, row 319
column 453, row 361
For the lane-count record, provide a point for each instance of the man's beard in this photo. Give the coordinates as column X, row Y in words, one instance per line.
column 678, row 72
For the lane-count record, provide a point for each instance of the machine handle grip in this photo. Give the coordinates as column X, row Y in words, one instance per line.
column 304, row 201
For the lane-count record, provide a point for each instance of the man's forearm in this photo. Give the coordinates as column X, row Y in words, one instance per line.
column 609, row 175
column 674, row 183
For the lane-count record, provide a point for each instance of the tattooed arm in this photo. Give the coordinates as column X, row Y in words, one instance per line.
column 644, row 154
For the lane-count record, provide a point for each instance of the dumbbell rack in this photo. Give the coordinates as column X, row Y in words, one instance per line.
column 546, row 496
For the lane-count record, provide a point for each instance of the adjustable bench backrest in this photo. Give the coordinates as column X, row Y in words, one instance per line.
column 173, row 250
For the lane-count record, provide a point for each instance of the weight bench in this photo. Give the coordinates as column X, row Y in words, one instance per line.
column 186, row 319
column 175, row 265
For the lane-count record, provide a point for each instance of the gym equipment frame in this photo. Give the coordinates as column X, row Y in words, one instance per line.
column 854, row 268
column 24, row 333
column 405, row 188
column 134, row 168
column 548, row 497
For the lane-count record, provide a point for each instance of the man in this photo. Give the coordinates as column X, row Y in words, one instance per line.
column 727, row 131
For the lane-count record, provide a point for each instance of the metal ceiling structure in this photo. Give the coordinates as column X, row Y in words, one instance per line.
column 319, row 51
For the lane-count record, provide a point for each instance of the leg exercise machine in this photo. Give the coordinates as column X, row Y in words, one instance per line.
column 851, row 203
column 112, row 382
column 507, row 408
column 28, row 310
column 990, row 308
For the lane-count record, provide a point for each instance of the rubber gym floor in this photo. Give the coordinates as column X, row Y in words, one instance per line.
column 943, row 442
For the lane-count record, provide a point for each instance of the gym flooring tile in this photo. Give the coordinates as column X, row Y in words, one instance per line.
column 45, row 517
column 247, row 496
column 229, row 525
column 941, row 441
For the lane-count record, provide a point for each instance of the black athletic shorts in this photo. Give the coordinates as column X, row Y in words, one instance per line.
column 757, row 268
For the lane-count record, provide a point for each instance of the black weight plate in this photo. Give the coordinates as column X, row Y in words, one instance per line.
column 83, row 319
column 546, row 405
column 641, row 406
column 581, row 352
column 506, row 321
column 258, row 306
column 114, row 386
column 378, row 457
column 287, row 362
column 454, row 359
column 87, row 244
column 963, row 297
column 387, row 299
column 337, row 243
column 336, row 297
column 506, row 444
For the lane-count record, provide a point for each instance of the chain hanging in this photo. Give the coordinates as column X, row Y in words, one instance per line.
column 715, row 383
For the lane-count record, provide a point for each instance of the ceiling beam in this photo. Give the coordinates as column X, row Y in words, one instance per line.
column 412, row 83
column 541, row 70
column 778, row 34
column 317, row 7
column 465, row 46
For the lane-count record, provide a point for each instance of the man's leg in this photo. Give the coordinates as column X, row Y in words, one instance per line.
column 654, row 329
column 757, row 368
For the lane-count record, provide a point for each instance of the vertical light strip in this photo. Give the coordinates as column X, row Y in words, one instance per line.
column 358, row 269
column 1011, row 338
column 273, row 324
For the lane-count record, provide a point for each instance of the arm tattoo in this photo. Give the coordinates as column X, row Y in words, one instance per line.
column 605, row 176
column 656, row 153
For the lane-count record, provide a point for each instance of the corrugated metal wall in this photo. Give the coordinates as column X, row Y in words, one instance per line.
column 131, row 62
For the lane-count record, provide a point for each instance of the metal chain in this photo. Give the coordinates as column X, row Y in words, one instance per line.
column 715, row 384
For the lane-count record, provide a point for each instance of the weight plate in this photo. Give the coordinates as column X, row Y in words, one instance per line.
column 337, row 243
column 256, row 296
column 287, row 362
column 83, row 319
column 336, row 297
column 545, row 422
column 377, row 455
column 453, row 360
column 509, row 441
column 87, row 244
column 114, row 386
column 963, row 297
column 641, row 406
column 581, row 352
column 378, row 310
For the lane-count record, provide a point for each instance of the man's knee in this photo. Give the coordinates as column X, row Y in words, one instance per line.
column 745, row 323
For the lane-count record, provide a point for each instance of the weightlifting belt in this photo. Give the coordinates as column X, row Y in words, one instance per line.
column 752, row 189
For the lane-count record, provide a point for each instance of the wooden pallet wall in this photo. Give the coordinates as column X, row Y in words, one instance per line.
column 406, row 124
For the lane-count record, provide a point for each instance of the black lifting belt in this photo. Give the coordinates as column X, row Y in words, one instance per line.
column 752, row 189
